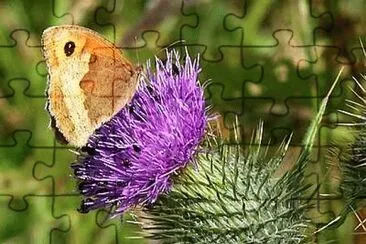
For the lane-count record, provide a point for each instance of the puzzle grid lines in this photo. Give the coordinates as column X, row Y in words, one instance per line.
column 265, row 60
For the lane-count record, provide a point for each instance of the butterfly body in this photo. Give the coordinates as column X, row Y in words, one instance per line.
column 89, row 81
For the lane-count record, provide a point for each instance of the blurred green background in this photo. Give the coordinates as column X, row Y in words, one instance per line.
column 269, row 60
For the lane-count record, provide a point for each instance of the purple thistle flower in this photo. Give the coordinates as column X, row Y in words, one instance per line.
column 131, row 159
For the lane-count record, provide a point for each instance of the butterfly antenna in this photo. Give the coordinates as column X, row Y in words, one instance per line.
column 137, row 52
column 171, row 45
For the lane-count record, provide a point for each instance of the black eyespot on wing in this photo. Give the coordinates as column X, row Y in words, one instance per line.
column 69, row 48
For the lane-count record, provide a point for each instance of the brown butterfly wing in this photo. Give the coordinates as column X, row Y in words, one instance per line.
column 110, row 83
column 86, row 86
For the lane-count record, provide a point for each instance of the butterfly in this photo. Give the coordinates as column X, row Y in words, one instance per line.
column 89, row 81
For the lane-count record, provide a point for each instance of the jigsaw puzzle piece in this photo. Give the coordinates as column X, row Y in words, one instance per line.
column 57, row 172
column 279, row 120
column 21, row 17
column 138, row 18
column 125, row 231
column 282, row 53
column 298, row 117
column 149, row 48
column 260, row 19
column 17, row 161
column 18, row 60
column 347, row 27
column 320, row 212
column 251, row 112
column 205, row 25
column 39, row 222
column 223, row 87
column 26, row 111
column 93, row 227
column 328, row 59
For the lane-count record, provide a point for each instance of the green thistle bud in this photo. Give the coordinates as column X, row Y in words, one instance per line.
column 232, row 197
